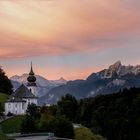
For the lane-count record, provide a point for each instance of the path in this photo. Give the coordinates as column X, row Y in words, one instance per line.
column 33, row 138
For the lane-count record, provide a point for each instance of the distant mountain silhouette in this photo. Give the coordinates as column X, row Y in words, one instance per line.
column 107, row 81
column 43, row 85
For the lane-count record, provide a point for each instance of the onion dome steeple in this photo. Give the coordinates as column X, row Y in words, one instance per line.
column 31, row 78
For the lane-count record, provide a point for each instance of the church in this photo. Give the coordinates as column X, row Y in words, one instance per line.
column 18, row 103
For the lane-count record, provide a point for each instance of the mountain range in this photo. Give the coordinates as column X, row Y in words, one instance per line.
column 107, row 81
column 43, row 85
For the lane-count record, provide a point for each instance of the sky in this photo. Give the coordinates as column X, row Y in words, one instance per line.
column 68, row 38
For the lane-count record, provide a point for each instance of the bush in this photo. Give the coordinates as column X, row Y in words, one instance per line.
column 28, row 125
column 84, row 133
column 33, row 111
column 60, row 126
column 45, row 122
column 4, row 137
column 9, row 114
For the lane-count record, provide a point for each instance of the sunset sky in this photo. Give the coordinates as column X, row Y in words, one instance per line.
column 68, row 38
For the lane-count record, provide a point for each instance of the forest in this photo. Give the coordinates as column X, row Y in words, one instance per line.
column 114, row 116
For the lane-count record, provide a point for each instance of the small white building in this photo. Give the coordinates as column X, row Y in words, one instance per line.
column 18, row 103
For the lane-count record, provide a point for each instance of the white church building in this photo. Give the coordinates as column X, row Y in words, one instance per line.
column 23, row 96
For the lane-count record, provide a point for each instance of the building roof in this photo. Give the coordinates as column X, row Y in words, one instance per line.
column 21, row 93
column 15, row 100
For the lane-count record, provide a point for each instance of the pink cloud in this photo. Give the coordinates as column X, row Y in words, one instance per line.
column 59, row 27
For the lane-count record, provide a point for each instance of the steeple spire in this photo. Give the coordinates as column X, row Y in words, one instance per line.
column 31, row 78
column 31, row 71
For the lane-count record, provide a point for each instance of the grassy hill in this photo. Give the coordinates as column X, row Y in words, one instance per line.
column 12, row 125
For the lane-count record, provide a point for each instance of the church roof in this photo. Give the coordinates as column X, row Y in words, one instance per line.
column 15, row 100
column 23, row 92
column 20, row 94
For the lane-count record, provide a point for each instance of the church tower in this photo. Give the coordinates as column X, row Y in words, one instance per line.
column 32, row 82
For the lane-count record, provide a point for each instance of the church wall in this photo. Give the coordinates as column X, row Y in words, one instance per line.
column 30, row 101
column 33, row 89
column 16, row 108
column 19, row 108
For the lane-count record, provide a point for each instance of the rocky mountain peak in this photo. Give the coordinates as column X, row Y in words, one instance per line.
column 116, row 65
column 62, row 79
column 113, row 70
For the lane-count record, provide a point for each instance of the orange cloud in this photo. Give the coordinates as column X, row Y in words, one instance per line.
column 53, row 73
column 60, row 27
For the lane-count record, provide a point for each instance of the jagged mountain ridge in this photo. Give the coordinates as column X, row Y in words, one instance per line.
column 43, row 85
column 121, row 70
column 107, row 81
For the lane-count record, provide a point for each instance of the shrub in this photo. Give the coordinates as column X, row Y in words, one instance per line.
column 60, row 126
column 9, row 114
column 84, row 133
column 4, row 137
column 28, row 125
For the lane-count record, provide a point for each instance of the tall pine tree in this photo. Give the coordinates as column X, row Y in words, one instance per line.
column 5, row 83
